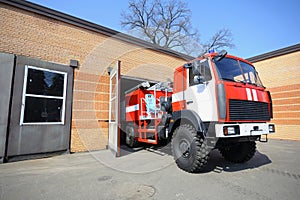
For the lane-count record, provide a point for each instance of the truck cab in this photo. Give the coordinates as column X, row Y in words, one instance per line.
column 226, row 92
column 222, row 98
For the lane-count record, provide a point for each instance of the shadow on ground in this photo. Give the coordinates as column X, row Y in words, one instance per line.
column 216, row 162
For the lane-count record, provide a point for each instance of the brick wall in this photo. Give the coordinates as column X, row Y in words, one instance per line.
column 37, row 36
column 281, row 75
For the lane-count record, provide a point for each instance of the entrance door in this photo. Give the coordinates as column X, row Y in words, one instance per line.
column 40, row 120
column 114, row 110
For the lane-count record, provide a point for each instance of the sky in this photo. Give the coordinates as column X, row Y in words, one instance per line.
column 258, row 26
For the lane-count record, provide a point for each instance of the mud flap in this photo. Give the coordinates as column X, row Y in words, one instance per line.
column 263, row 138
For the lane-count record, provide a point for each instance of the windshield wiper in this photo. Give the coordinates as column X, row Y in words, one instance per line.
column 228, row 79
column 231, row 80
column 241, row 81
column 257, row 85
column 252, row 83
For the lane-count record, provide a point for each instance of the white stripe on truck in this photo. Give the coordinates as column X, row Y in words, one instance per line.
column 132, row 108
column 249, row 96
column 254, row 92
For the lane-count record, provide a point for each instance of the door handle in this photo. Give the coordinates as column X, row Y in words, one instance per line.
column 189, row 102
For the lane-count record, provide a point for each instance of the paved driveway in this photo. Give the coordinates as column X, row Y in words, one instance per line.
column 274, row 173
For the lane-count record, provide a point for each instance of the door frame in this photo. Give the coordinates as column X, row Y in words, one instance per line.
column 114, row 125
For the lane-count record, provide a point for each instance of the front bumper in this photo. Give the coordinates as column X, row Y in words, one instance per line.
column 243, row 129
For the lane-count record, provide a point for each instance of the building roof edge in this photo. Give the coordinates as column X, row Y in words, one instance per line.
column 278, row 52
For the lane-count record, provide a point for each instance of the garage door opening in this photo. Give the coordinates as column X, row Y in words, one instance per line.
column 126, row 84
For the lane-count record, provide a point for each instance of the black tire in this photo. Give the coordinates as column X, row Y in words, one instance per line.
column 129, row 139
column 240, row 152
column 189, row 149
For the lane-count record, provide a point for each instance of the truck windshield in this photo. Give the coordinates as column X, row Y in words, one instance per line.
column 233, row 70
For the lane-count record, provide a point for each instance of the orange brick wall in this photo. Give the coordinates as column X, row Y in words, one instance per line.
column 281, row 75
column 36, row 36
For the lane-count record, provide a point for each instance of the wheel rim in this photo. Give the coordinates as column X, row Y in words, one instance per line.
column 184, row 148
column 129, row 136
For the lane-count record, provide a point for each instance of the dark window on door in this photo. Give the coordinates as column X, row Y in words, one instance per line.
column 205, row 71
column 44, row 94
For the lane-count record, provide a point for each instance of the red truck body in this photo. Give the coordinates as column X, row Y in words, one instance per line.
column 217, row 101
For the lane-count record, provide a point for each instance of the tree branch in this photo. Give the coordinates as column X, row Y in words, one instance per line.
column 168, row 24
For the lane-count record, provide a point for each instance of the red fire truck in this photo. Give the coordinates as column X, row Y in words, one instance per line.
column 216, row 101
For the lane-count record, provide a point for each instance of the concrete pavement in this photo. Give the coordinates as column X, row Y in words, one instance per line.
column 273, row 173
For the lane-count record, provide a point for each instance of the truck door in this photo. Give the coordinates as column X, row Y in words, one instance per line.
column 200, row 97
column 114, row 110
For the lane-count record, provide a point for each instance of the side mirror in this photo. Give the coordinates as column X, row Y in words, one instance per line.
column 196, row 67
column 199, row 79
column 187, row 65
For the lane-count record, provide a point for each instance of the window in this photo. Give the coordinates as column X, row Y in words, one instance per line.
column 44, row 94
column 229, row 69
column 250, row 74
column 237, row 71
column 204, row 71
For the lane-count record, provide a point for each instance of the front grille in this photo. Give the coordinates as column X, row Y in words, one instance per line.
column 248, row 110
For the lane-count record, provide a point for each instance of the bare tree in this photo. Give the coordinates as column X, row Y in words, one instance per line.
column 221, row 39
column 168, row 23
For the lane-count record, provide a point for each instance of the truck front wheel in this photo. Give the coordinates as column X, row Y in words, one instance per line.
column 189, row 149
column 240, row 152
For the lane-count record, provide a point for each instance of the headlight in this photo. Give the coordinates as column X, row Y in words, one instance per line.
column 271, row 128
column 231, row 130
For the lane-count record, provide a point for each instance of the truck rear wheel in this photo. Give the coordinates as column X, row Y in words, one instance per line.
column 189, row 149
column 130, row 141
column 240, row 152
